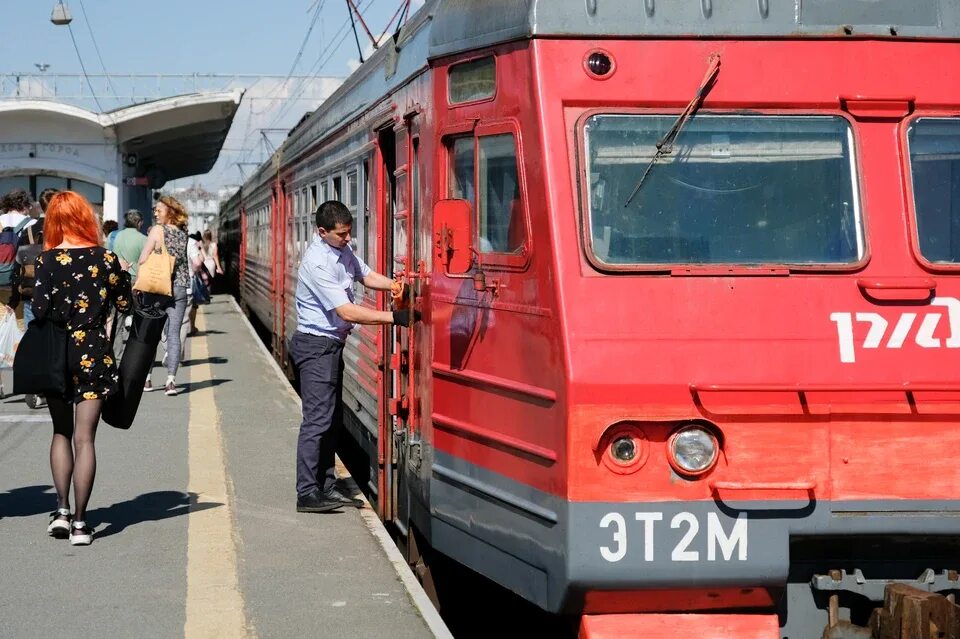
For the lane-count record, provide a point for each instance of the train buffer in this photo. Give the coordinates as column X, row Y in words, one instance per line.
column 194, row 512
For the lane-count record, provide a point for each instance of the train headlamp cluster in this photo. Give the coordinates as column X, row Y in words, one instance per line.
column 693, row 450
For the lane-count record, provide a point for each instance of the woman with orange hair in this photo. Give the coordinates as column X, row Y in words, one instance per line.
column 77, row 283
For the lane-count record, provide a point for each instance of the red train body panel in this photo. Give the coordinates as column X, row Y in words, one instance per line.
column 781, row 301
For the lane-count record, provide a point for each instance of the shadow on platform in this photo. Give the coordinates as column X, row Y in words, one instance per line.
column 27, row 501
column 189, row 387
column 154, row 506
column 209, row 360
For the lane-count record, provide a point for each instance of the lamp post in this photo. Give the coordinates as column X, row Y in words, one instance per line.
column 61, row 14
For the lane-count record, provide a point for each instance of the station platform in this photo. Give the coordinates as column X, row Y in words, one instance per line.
column 194, row 510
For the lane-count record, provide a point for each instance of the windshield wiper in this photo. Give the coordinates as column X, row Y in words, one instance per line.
column 665, row 145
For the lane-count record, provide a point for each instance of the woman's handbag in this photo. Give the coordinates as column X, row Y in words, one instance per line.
column 156, row 274
column 40, row 365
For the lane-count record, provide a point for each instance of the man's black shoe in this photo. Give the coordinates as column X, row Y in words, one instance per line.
column 316, row 502
column 336, row 496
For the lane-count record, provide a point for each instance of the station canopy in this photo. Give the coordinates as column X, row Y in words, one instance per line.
column 175, row 137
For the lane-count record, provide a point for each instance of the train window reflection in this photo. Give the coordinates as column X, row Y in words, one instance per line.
column 935, row 167
column 501, row 225
column 735, row 190
column 462, row 170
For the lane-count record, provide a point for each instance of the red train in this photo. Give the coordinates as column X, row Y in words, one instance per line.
column 689, row 279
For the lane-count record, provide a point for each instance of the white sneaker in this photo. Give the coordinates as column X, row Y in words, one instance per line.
column 170, row 389
column 147, row 386
column 59, row 526
column 82, row 536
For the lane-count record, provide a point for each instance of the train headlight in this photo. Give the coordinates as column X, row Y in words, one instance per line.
column 623, row 448
column 599, row 64
column 693, row 450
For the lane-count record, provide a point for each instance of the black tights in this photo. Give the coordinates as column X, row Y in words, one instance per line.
column 72, row 452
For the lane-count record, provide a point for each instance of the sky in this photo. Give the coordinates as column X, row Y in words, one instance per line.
column 261, row 37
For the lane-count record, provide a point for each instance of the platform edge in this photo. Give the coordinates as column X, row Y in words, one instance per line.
column 414, row 590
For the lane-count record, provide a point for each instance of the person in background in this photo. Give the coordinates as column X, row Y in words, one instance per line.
column 24, row 273
column 128, row 245
column 195, row 255
column 326, row 314
column 31, row 244
column 211, row 257
column 110, row 230
column 16, row 207
column 77, row 284
column 170, row 231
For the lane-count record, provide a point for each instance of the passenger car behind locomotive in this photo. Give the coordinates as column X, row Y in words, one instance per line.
column 723, row 383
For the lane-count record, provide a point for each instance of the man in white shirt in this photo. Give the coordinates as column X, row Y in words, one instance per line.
column 326, row 313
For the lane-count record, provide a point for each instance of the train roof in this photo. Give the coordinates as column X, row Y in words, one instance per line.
column 462, row 25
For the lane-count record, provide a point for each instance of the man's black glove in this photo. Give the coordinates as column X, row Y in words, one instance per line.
column 402, row 318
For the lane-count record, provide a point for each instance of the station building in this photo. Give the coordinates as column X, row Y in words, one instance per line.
column 115, row 158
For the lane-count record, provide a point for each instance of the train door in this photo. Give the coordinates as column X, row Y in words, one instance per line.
column 400, row 432
column 280, row 213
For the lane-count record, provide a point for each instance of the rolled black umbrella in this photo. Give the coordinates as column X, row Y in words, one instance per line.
column 149, row 317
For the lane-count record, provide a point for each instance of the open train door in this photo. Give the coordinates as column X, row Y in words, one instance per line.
column 400, row 219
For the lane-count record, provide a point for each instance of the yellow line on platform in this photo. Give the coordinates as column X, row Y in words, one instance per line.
column 214, row 602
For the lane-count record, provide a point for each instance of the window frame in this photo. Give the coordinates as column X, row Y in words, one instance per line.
column 719, row 268
column 517, row 261
column 913, row 224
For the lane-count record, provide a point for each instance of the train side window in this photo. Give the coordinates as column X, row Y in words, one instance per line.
column 934, row 145
column 472, row 81
column 484, row 171
column 501, row 227
column 351, row 189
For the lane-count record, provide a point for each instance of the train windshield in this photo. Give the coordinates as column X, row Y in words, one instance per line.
column 935, row 168
column 737, row 189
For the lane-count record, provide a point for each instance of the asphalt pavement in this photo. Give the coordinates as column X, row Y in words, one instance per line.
column 194, row 511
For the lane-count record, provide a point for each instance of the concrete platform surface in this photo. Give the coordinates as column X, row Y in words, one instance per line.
column 196, row 529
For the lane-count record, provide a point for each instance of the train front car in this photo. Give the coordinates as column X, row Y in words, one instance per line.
column 756, row 327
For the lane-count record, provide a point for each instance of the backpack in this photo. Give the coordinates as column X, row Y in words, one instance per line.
column 9, row 242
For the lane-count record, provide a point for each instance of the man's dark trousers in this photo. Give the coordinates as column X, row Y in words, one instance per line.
column 320, row 363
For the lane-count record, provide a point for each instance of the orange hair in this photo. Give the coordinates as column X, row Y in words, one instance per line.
column 70, row 217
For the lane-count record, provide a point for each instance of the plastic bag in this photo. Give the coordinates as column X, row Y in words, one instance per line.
column 10, row 335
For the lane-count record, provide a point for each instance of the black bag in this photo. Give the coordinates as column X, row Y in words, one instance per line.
column 40, row 365
column 121, row 408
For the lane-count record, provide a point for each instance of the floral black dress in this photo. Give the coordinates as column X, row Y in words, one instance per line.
column 77, row 287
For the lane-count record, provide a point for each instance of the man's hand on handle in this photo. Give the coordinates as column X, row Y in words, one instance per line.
column 402, row 317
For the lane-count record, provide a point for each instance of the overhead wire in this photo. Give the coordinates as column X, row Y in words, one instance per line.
column 326, row 54
column 96, row 47
column 84, row 68
column 322, row 59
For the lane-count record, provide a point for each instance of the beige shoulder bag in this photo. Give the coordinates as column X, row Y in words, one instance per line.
column 156, row 274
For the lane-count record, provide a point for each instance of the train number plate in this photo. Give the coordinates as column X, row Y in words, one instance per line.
column 686, row 536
